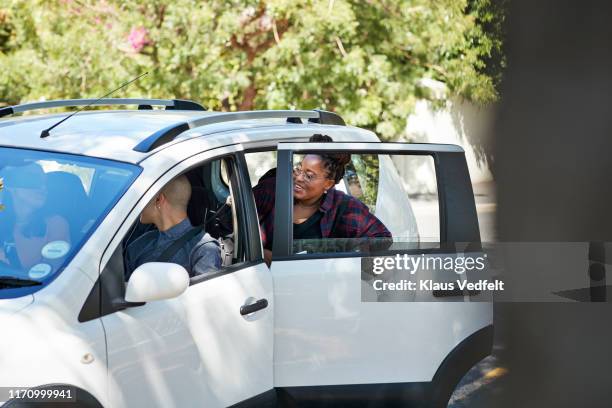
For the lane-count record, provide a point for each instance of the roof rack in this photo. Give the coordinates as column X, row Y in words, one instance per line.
column 143, row 104
column 169, row 133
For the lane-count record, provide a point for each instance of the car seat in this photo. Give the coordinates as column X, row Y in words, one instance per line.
column 200, row 213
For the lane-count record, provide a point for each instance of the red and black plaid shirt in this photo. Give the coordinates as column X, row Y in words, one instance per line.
column 356, row 221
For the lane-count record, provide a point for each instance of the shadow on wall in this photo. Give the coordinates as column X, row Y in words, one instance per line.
column 474, row 124
column 461, row 123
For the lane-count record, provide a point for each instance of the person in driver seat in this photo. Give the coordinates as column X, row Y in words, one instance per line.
column 175, row 239
column 27, row 222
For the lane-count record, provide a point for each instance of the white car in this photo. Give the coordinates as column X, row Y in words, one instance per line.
column 302, row 332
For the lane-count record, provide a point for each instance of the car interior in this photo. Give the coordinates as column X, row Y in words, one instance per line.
column 208, row 208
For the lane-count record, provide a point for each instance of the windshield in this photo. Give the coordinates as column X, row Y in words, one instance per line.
column 49, row 205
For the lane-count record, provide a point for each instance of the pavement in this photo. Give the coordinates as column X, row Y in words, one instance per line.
column 480, row 386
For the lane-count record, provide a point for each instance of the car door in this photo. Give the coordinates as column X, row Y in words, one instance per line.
column 211, row 346
column 332, row 342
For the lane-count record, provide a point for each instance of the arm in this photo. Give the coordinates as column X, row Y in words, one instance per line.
column 144, row 244
column 127, row 263
column 375, row 235
column 380, row 236
column 206, row 258
column 374, row 228
column 267, row 257
column 263, row 193
column 362, row 222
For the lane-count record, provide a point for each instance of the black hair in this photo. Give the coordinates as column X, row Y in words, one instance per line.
column 334, row 163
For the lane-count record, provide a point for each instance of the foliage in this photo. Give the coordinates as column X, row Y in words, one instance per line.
column 364, row 59
column 368, row 171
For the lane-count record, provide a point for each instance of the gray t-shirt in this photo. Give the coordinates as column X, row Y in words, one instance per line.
column 200, row 255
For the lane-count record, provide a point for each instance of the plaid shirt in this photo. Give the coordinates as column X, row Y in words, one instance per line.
column 356, row 221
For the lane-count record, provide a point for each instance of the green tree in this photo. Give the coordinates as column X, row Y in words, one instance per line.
column 364, row 59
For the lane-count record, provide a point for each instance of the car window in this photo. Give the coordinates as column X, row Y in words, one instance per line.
column 50, row 204
column 395, row 206
column 259, row 163
column 209, row 208
column 361, row 179
column 399, row 190
column 224, row 218
column 417, row 176
column 85, row 174
column 219, row 179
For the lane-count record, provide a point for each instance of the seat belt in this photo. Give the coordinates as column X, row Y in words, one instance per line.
column 169, row 253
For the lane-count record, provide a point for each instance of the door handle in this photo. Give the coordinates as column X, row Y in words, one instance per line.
column 253, row 307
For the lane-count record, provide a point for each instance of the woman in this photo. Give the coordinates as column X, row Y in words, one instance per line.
column 319, row 210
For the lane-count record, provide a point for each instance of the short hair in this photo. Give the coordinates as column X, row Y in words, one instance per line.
column 178, row 192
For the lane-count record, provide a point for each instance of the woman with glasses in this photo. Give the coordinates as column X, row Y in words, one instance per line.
column 319, row 210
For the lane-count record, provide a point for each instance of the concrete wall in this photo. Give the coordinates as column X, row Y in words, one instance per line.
column 459, row 123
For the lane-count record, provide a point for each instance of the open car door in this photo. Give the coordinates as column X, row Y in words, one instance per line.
column 335, row 339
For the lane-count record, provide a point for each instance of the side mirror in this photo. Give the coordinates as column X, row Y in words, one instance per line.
column 156, row 281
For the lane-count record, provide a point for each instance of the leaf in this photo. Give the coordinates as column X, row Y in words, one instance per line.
column 365, row 60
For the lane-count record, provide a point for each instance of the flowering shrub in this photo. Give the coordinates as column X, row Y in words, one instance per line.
column 139, row 38
column 365, row 59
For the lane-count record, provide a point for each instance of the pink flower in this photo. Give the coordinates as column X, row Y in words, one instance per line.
column 139, row 38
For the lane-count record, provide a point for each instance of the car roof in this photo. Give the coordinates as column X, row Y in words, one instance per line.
column 113, row 134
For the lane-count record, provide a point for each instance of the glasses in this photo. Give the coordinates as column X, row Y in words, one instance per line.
column 308, row 177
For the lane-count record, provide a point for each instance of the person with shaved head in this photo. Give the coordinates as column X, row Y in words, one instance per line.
column 198, row 252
